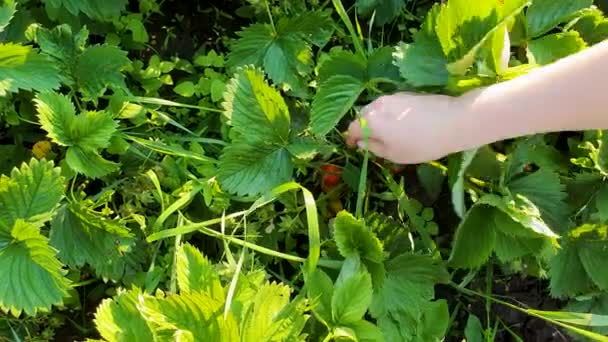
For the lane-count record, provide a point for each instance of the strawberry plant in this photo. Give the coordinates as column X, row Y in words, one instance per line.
column 172, row 170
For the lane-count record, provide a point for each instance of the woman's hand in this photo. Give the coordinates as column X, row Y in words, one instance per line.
column 409, row 128
column 567, row 95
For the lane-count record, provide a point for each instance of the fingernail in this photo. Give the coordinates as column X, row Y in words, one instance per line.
column 362, row 145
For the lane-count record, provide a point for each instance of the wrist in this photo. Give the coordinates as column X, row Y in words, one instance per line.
column 468, row 124
column 497, row 113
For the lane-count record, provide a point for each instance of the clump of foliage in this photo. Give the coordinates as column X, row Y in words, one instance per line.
column 147, row 195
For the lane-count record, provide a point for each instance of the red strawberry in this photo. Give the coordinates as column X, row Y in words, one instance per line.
column 331, row 176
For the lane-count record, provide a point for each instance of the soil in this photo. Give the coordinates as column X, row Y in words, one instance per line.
column 190, row 26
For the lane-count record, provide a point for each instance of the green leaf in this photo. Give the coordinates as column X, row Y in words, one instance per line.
column 333, row 100
column 545, row 189
column 423, row 62
column 380, row 65
column 218, row 87
column 211, row 59
column 89, row 130
column 89, row 163
column 270, row 316
column 98, row 68
column 251, row 46
column 474, row 239
column 601, row 157
column 118, row 319
column 458, row 187
column 320, row 292
column 255, row 109
column 509, row 247
column 405, row 295
column 185, row 89
column 194, row 316
column 83, row 134
column 84, row 236
column 593, row 255
column 474, row 330
column 431, row 178
column 592, row 26
column 21, row 67
column 567, row 273
column 59, row 42
column 601, row 203
column 33, row 278
column 351, row 298
column 136, row 25
column 520, row 211
column 365, row 331
column 196, row 274
column 288, row 323
column 385, row 11
column 463, row 29
column 31, row 192
column 93, row 130
column 7, row 10
column 550, row 48
column 435, row 320
column 104, row 10
column 544, row 15
column 533, row 151
column 498, row 50
column 343, row 63
column 55, row 113
column 248, row 169
column 287, row 60
column 411, row 278
column 353, row 238
column 315, row 26
column 307, row 148
column 62, row 47
column 285, row 53
column 246, row 289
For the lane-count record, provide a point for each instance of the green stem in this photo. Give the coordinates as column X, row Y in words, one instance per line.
column 163, row 102
column 362, row 183
column 274, row 29
column 489, row 280
column 586, row 333
column 177, row 242
column 349, row 25
column 335, row 264
column 328, row 337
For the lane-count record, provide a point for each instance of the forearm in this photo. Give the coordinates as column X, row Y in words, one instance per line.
column 568, row 95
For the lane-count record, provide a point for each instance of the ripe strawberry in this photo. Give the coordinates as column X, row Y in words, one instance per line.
column 331, row 176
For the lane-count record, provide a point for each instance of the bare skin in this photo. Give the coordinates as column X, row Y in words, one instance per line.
column 567, row 95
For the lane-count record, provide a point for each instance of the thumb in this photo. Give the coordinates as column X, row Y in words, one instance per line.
column 354, row 133
column 373, row 145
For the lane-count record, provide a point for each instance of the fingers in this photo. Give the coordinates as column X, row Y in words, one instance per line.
column 355, row 133
column 355, row 138
column 374, row 146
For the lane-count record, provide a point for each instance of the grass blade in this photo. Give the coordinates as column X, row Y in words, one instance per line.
column 170, row 150
column 349, row 25
column 162, row 102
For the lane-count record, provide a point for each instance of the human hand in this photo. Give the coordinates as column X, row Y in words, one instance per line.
column 409, row 128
